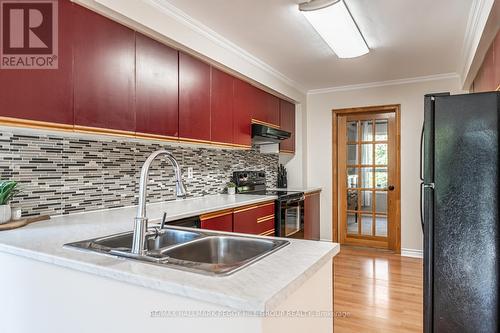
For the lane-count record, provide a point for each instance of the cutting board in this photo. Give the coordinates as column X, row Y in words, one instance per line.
column 23, row 222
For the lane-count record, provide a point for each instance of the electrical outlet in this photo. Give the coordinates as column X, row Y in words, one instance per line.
column 190, row 173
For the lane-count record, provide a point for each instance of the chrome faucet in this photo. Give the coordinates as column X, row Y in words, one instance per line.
column 141, row 221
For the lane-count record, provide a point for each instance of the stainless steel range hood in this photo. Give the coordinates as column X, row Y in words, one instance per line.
column 264, row 135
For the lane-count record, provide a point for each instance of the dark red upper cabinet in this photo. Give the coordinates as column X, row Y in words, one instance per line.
column 104, row 63
column 43, row 94
column 194, row 98
column 265, row 107
column 157, row 88
column 287, row 120
column 244, row 97
column 221, row 106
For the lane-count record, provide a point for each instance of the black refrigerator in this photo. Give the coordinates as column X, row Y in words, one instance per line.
column 459, row 212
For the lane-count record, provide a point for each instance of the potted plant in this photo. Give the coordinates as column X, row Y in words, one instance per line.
column 8, row 189
column 231, row 188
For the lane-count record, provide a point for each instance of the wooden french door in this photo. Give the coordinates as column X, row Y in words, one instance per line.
column 368, row 178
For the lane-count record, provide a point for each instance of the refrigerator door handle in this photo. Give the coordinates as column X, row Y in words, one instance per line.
column 422, row 204
column 422, row 153
column 423, row 186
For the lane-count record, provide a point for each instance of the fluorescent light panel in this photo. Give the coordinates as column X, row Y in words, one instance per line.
column 337, row 27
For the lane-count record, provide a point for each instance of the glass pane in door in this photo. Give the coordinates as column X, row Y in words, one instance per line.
column 352, row 131
column 381, row 130
column 366, row 224
column 366, row 130
column 381, row 225
column 352, row 154
column 352, row 223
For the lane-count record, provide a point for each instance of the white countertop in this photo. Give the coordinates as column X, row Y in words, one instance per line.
column 259, row 287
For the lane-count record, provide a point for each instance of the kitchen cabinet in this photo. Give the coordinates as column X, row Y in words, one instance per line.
column 157, row 89
column 194, row 99
column 265, row 108
column 287, row 121
column 220, row 221
column 43, row 95
column 312, row 216
column 255, row 219
column 104, row 68
column 242, row 116
column 221, row 107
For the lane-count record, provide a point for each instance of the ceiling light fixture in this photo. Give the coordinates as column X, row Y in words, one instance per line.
column 334, row 23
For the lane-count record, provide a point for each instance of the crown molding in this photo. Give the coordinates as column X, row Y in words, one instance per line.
column 186, row 20
column 417, row 79
column 476, row 22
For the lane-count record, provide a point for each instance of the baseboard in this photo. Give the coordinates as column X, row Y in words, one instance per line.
column 412, row 253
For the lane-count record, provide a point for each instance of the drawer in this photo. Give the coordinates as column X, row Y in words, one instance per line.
column 255, row 219
column 220, row 221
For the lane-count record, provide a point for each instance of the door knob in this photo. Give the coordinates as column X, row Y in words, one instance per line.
column 391, row 187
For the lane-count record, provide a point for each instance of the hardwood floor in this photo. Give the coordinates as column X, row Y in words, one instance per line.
column 380, row 291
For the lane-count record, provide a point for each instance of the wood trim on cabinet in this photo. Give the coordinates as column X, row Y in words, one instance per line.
column 250, row 207
column 312, row 193
column 284, row 151
column 220, row 213
column 104, row 131
column 267, row 233
column 16, row 122
column 35, row 124
column 156, row 137
column 265, row 218
column 255, row 121
column 394, row 244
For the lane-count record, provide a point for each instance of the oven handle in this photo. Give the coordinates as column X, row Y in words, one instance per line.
column 291, row 201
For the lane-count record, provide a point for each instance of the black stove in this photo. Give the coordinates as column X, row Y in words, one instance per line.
column 289, row 212
column 254, row 182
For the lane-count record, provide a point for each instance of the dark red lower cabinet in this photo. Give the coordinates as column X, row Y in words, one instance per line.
column 312, row 216
column 256, row 219
column 220, row 221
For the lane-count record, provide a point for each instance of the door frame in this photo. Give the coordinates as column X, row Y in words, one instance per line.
column 393, row 244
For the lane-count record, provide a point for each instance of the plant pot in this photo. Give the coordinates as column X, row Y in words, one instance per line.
column 231, row 190
column 5, row 213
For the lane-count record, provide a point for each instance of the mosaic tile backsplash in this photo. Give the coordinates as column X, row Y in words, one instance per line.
column 61, row 175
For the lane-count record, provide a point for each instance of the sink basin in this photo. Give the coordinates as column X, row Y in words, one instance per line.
column 123, row 242
column 195, row 251
column 221, row 254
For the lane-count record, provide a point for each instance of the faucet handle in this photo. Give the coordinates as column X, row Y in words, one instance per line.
column 163, row 220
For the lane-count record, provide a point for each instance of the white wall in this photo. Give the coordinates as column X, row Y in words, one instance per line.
column 319, row 145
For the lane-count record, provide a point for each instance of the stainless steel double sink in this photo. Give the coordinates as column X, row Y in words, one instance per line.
column 191, row 250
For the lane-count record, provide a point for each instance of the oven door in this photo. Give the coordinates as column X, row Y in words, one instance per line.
column 292, row 219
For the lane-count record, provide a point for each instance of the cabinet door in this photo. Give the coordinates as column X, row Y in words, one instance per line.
column 104, row 64
column 264, row 107
column 43, row 95
column 312, row 216
column 157, row 89
column 272, row 109
column 287, row 116
column 242, row 116
column 194, row 98
column 221, row 101
column 220, row 221
column 257, row 220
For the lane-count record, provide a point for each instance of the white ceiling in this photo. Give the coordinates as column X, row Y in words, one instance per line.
column 408, row 38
